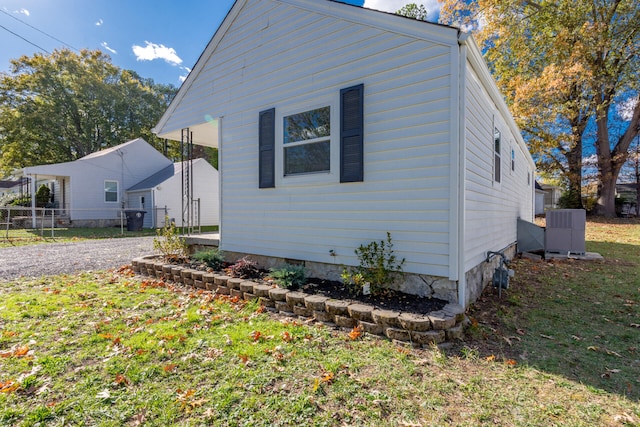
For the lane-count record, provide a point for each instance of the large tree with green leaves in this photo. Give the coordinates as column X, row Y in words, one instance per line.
column 62, row 106
column 563, row 66
column 415, row 11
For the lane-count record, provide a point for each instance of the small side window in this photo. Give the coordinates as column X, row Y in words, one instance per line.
column 497, row 137
column 111, row 191
column 513, row 160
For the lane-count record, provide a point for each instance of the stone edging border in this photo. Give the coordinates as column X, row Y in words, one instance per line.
column 417, row 330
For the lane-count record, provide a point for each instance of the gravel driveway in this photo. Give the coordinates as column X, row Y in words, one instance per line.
column 61, row 258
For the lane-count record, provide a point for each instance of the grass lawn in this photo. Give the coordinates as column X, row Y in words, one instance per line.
column 19, row 237
column 561, row 347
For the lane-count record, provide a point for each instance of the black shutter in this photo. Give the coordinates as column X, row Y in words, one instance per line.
column 351, row 134
column 266, row 144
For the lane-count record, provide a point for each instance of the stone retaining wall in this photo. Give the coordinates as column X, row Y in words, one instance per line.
column 419, row 330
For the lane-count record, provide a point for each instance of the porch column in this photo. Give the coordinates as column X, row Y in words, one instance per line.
column 34, row 223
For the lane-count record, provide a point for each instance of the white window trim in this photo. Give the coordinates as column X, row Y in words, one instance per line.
column 104, row 195
column 323, row 177
column 493, row 155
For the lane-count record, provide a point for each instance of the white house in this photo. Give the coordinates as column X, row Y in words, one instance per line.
column 337, row 124
column 91, row 190
column 163, row 190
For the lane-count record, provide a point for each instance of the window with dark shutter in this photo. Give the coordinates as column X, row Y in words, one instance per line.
column 266, row 144
column 351, row 134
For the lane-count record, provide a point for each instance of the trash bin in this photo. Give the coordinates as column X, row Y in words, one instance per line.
column 135, row 219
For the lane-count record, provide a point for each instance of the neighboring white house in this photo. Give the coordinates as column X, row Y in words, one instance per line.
column 552, row 194
column 163, row 190
column 337, row 124
column 91, row 190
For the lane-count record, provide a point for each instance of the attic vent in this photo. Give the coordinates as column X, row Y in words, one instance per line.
column 565, row 232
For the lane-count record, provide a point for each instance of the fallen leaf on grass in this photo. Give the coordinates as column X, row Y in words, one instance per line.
column 170, row 367
column 490, row 358
column 16, row 351
column 510, row 362
column 286, row 337
column 9, row 386
column 121, row 380
column 355, row 333
column 549, row 337
column 635, row 325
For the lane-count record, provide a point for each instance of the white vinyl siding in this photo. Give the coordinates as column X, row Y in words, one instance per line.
column 278, row 56
column 491, row 208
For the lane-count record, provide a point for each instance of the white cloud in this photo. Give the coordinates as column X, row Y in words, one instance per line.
column 23, row 11
column 99, row 22
column 625, row 109
column 432, row 6
column 156, row 51
column 183, row 77
column 106, row 46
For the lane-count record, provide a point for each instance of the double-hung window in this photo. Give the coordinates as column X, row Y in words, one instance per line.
column 307, row 142
column 111, row 191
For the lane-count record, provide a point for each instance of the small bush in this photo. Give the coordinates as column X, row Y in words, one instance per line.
column 244, row 268
column 213, row 258
column 169, row 242
column 379, row 267
column 289, row 276
column 42, row 196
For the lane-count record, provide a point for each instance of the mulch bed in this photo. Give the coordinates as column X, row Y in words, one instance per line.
column 390, row 300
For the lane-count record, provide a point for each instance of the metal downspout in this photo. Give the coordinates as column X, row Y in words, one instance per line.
column 462, row 76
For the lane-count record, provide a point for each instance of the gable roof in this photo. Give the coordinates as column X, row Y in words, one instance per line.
column 161, row 176
column 65, row 169
column 205, row 133
column 111, row 150
column 157, row 178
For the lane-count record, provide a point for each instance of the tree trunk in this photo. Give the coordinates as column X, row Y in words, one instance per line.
column 573, row 199
column 610, row 162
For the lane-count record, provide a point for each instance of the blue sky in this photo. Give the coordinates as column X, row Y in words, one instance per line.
column 159, row 39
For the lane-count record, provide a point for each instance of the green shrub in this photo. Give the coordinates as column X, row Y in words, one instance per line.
column 42, row 196
column 169, row 242
column 213, row 258
column 289, row 276
column 379, row 267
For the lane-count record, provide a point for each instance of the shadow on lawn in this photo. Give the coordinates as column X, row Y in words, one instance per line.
column 576, row 319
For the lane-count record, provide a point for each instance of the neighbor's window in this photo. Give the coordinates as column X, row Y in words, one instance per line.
column 111, row 191
column 307, row 142
column 496, row 155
